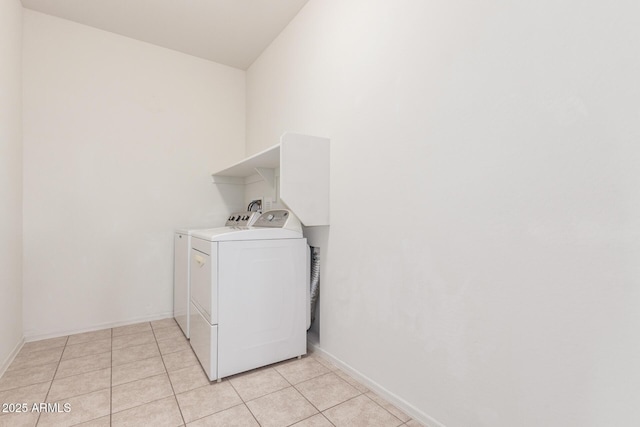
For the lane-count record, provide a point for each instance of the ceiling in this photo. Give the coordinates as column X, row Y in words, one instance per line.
column 231, row 32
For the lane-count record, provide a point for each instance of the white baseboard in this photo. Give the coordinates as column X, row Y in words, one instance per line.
column 400, row 403
column 38, row 337
column 5, row 364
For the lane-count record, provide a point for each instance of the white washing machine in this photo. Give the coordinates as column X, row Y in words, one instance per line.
column 181, row 260
column 249, row 294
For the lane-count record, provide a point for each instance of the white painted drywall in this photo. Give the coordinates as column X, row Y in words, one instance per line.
column 10, row 179
column 483, row 254
column 120, row 138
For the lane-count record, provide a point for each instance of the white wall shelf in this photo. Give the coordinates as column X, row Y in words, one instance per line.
column 236, row 173
column 303, row 161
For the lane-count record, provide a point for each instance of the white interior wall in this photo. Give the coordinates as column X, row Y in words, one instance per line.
column 120, row 138
column 257, row 188
column 10, row 180
column 482, row 258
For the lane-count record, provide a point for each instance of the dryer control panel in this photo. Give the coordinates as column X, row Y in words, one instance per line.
column 279, row 218
column 241, row 219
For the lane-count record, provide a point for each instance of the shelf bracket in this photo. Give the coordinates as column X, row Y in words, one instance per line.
column 269, row 175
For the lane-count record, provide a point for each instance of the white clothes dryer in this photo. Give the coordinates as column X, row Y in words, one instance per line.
column 181, row 260
column 249, row 294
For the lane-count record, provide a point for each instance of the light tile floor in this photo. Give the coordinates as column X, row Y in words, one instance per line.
column 147, row 375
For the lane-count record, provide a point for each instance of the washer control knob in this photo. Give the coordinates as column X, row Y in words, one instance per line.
column 270, row 217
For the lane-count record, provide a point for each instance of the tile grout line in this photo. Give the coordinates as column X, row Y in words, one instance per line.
column 34, row 366
column 300, row 382
column 150, row 376
column 27, row 385
column 71, row 376
column 336, row 372
column 84, row 343
column 365, row 395
column 166, row 371
column 318, row 409
column 94, row 370
column 311, row 416
column 401, row 422
column 271, row 392
column 54, row 377
column 276, row 391
column 299, row 392
column 283, row 377
column 59, row 361
column 145, row 403
column 361, row 393
column 136, row 361
column 243, row 403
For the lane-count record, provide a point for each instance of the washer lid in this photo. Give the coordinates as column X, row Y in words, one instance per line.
column 188, row 231
column 222, row 234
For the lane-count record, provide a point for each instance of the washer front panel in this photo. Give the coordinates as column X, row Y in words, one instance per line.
column 204, row 283
column 262, row 311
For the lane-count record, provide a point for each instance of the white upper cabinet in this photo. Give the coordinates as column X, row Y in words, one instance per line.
column 303, row 162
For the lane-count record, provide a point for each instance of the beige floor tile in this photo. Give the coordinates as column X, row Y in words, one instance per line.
column 281, row 408
column 76, row 385
column 238, row 416
column 207, row 400
column 179, row 360
column 163, row 323
column 317, row 420
column 89, row 336
column 83, row 364
column 82, row 408
column 323, row 361
column 130, row 340
column 173, row 345
column 160, row 413
column 298, row 370
column 131, row 329
column 86, row 348
column 168, row 332
column 389, row 407
column 30, row 394
column 361, row 412
column 45, row 344
column 326, row 391
column 360, row 387
column 138, row 370
column 186, row 379
column 142, row 389
column 254, row 384
column 98, row 422
column 133, row 354
column 31, row 359
column 23, row 419
column 139, row 392
column 27, row 376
